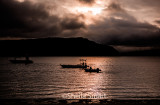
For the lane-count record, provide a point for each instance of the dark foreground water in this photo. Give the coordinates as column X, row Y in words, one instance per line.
column 122, row 78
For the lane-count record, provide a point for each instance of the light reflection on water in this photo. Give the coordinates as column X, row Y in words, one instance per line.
column 121, row 78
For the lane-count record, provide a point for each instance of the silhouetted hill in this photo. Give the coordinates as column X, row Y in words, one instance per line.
column 55, row 47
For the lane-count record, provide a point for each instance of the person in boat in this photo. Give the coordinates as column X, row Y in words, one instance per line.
column 90, row 68
column 27, row 57
column 83, row 64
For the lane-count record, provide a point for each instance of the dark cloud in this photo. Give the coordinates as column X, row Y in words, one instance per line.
column 157, row 21
column 152, row 39
column 121, row 28
column 26, row 19
column 115, row 10
column 87, row 1
column 149, row 3
column 141, row 3
column 72, row 24
column 124, row 32
column 114, row 6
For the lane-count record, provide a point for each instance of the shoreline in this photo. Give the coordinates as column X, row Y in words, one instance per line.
column 50, row 101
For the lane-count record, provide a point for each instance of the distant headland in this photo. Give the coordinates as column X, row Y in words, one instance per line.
column 55, row 47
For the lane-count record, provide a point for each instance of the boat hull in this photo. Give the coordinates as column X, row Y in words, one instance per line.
column 74, row 66
column 92, row 70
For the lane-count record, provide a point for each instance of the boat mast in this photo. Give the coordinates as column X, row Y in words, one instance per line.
column 83, row 62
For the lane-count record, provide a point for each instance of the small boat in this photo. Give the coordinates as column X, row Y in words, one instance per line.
column 82, row 64
column 25, row 61
column 92, row 70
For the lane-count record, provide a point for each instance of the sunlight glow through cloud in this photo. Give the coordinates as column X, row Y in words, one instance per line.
column 20, row 0
column 93, row 10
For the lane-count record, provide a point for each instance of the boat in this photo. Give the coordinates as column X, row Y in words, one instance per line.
column 25, row 61
column 82, row 64
column 92, row 70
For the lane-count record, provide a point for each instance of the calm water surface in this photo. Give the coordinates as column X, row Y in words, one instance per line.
column 121, row 78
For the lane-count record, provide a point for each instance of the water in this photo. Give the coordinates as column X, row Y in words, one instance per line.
column 121, row 78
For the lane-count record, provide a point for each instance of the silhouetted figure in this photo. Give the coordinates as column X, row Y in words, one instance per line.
column 83, row 63
column 27, row 58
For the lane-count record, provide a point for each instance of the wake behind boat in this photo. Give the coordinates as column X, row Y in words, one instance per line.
column 82, row 64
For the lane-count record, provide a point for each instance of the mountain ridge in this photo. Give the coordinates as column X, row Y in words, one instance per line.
column 55, row 47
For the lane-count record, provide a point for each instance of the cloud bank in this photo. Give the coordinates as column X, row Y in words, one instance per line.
column 115, row 22
column 26, row 19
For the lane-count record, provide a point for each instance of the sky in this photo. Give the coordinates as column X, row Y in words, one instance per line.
column 114, row 22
